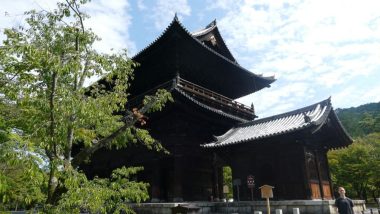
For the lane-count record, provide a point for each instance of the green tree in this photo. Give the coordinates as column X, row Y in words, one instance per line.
column 21, row 178
column 358, row 167
column 43, row 67
column 373, row 140
column 370, row 123
column 227, row 180
column 22, row 181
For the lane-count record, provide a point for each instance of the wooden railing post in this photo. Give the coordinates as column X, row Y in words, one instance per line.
column 212, row 96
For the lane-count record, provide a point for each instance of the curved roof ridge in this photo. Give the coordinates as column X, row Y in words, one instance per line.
column 320, row 114
column 225, row 135
column 210, row 27
column 176, row 20
column 275, row 125
column 205, row 30
column 270, row 78
column 314, row 112
column 326, row 102
column 225, row 44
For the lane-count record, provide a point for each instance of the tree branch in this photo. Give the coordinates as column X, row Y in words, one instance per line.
column 84, row 73
column 76, row 11
column 129, row 121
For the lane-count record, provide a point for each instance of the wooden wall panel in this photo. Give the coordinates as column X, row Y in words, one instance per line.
column 326, row 190
column 315, row 192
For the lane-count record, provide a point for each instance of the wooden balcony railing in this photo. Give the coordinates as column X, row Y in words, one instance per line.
column 205, row 95
column 213, row 97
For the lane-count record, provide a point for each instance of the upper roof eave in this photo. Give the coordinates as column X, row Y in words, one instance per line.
column 269, row 80
column 205, row 30
column 212, row 28
column 326, row 102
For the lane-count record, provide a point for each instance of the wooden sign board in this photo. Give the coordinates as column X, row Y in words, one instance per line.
column 225, row 189
column 266, row 191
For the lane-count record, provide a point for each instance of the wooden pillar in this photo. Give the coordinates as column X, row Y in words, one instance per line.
column 306, row 175
column 156, row 181
column 319, row 173
column 220, row 182
column 329, row 176
column 177, row 185
column 215, row 182
column 215, row 179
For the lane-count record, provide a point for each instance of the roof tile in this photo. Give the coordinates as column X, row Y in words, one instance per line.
column 275, row 125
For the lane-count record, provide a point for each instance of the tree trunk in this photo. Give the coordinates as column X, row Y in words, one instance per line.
column 51, row 150
column 52, row 183
column 68, row 147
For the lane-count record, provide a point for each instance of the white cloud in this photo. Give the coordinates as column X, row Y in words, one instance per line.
column 164, row 10
column 321, row 44
column 361, row 96
column 12, row 12
column 221, row 4
column 278, row 98
column 109, row 19
column 373, row 94
column 314, row 48
column 141, row 5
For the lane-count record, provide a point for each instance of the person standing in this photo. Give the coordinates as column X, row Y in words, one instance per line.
column 344, row 204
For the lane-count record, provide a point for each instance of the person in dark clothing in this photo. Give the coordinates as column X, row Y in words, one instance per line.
column 344, row 204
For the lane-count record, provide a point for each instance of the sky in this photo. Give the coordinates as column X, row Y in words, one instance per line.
column 314, row 48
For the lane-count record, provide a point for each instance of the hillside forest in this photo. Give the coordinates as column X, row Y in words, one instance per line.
column 357, row 167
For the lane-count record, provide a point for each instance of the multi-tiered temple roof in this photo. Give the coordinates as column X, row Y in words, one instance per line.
column 201, row 58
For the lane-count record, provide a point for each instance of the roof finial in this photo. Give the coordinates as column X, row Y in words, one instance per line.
column 212, row 24
column 306, row 117
column 176, row 80
column 175, row 16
